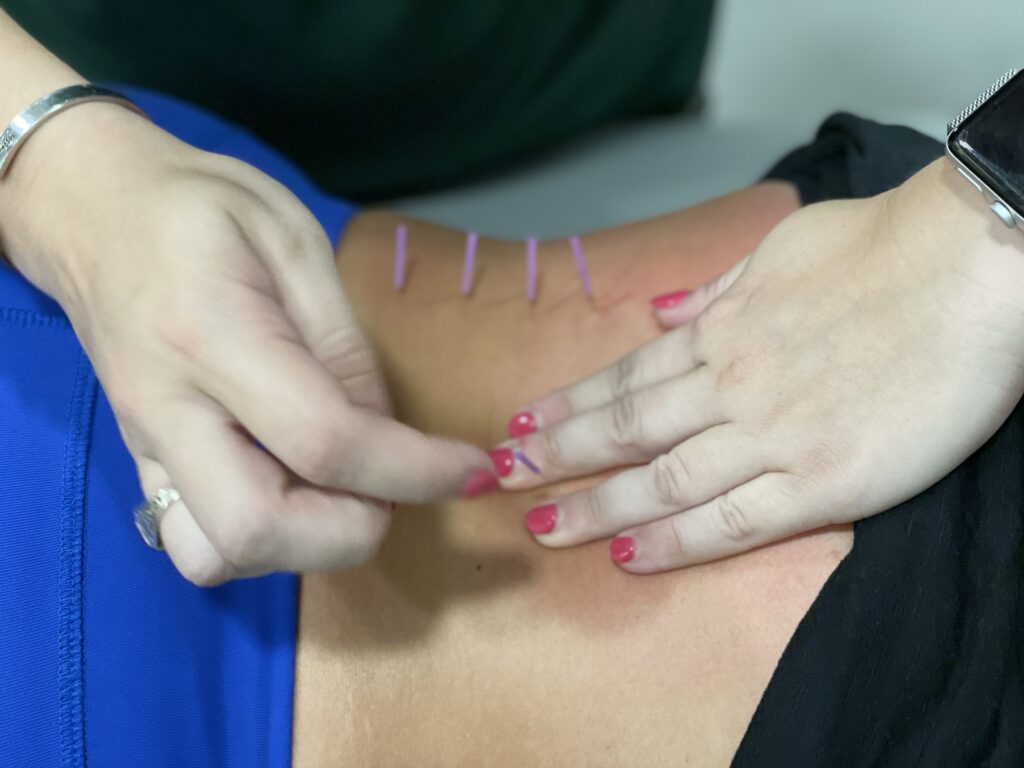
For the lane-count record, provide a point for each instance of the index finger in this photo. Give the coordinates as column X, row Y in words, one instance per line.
column 293, row 405
column 669, row 355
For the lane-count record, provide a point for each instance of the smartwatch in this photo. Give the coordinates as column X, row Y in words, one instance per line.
column 986, row 144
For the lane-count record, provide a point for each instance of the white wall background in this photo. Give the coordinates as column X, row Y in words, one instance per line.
column 910, row 61
column 776, row 68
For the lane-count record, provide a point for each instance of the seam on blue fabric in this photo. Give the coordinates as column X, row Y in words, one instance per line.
column 23, row 318
column 70, row 648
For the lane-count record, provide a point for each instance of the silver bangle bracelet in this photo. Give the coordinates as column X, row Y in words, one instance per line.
column 22, row 126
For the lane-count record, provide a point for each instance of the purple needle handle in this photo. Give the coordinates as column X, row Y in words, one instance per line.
column 531, row 269
column 469, row 263
column 581, row 264
column 400, row 238
column 527, row 463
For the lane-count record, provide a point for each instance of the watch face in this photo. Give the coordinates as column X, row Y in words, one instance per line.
column 991, row 142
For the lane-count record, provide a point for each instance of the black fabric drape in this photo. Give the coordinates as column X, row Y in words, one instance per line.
column 913, row 653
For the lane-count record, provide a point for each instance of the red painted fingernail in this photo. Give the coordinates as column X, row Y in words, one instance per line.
column 621, row 549
column 479, row 483
column 523, row 423
column 668, row 300
column 542, row 519
column 503, row 459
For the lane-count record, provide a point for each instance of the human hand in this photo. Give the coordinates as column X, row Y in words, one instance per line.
column 207, row 299
column 857, row 356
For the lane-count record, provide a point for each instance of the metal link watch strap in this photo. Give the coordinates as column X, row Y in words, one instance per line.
column 22, row 126
column 953, row 124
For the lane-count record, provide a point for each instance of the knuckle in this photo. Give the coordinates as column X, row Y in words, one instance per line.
column 312, row 459
column 704, row 342
column 734, row 373
column 673, row 477
column 289, row 243
column 321, row 454
column 627, row 425
column 553, row 451
column 247, row 542
column 344, row 351
column 732, row 518
column 366, row 548
column 676, row 526
column 182, row 325
column 591, row 513
column 622, row 375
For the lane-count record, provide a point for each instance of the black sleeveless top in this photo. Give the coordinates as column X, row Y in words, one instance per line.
column 378, row 97
column 913, row 653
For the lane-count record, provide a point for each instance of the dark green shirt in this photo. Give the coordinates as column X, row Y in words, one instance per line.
column 383, row 97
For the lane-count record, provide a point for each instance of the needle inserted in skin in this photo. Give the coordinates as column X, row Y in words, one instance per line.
column 581, row 264
column 531, row 269
column 469, row 263
column 526, row 462
column 400, row 238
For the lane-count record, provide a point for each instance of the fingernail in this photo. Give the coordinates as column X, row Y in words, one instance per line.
column 523, row 423
column 392, row 505
column 668, row 300
column 621, row 549
column 479, row 483
column 542, row 519
column 503, row 459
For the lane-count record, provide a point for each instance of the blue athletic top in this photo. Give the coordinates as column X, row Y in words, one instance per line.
column 107, row 656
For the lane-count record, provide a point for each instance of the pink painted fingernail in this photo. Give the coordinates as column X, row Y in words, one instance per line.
column 523, row 423
column 621, row 549
column 503, row 460
column 479, row 483
column 542, row 519
column 669, row 300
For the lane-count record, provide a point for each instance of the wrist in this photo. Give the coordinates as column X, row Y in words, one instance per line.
column 57, row 183
column 937, row 213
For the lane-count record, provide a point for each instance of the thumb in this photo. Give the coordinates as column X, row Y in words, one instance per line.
column 680, row 307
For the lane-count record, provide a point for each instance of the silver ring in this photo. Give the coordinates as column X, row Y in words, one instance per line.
column 148, row 514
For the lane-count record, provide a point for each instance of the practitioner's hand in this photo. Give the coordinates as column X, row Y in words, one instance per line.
column 207, row 299
column 857, row 356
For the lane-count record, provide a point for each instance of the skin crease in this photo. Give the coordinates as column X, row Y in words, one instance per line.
column 464, row 642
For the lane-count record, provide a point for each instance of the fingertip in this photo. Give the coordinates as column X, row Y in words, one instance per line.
column 669, row 300
column 415, row 468
column 674, row 316
column 190, row 550
column 512, row 466
column 478, row 483
column 630, row 553
column 523, row 423
column 541, row 519
column 472, row 471
column 622, row 549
